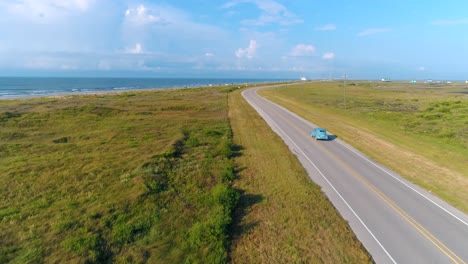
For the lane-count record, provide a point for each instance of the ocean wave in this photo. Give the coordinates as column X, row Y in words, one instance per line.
column 124, row 88
column 31, row 86
column 40, row 92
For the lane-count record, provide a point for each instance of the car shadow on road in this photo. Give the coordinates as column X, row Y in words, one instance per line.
column 330, row 138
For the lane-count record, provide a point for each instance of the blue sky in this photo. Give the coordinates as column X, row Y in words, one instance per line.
column 235, row 38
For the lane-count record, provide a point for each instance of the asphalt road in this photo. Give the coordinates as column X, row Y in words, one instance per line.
column 397, row 221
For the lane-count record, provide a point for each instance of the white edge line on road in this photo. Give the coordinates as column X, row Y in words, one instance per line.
column 331, row 185
column 376, row 165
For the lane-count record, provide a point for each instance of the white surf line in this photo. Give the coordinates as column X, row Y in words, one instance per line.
column 265, row 115
column 374, row 164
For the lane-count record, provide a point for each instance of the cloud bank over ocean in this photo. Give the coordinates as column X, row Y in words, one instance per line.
column 245, row 37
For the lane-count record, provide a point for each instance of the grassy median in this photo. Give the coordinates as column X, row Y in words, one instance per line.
column 282, row 217
column 418, row 130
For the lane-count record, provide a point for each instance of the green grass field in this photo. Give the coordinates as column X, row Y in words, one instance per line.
column 419, row 130
column 140, row 177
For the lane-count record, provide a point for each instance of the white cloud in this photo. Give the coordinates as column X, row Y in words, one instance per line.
column 248, row 52
column 141, row 15
column 60, row 25
column 41, row 62
column 328, row 56
column 45, row 9
column 327, row 27
column 167, row 29
column 72, row 4
column 68, row 67
column 104, row 65
column 138, row 49
column 80, row 5
column 272, row 12
column 422, row 68
column 443, row 22
column 50, row 62
column 110, row 35
column 372, row 31
column 301, row 50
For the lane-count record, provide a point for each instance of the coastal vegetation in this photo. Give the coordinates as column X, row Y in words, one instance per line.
column 418, row 130
column 157, row 177
column 142, row 177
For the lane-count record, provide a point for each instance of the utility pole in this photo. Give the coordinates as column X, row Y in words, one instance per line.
column 344, row 90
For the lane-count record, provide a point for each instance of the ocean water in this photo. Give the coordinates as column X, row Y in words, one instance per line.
column 17, row 87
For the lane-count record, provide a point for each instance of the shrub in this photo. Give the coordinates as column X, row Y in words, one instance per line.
column 61, row 140
column 231, row 89
column 8, row 115
column 447, row 133
column 192, row 141
column 7, row 212
column 127, row 231
column 88, row 246
column 156, row 173
column 225, row 196
column 228, row 173
column 7, row 253
column 66, row 225
column 213, row 133
column 225, row 148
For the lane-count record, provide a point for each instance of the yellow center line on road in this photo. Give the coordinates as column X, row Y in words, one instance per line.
column 441, row 246
column 427, row 234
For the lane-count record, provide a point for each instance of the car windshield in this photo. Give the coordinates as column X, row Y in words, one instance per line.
column 322, row 130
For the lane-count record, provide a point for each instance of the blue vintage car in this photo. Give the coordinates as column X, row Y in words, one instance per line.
column 319, row 133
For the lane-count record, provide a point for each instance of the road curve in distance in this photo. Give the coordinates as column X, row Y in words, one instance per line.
column 396, row 221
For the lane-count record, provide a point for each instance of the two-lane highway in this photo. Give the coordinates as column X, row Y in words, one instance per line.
column 396, row 221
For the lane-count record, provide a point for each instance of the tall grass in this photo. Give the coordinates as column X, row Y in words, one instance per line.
column 131, row 177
